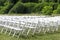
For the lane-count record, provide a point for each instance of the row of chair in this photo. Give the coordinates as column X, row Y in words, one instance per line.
column 25, row 25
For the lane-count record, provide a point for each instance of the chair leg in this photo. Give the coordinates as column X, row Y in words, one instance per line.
column 2, row 30
column 19, row 34
column 47, row 30
column 10, row 31
column 28, row 31
column 23, row 31
column 34, row 31
column 56, row 28
column 14, row 33
column 39, row 31
column 6, row 31
column 44, row 31
column 52, row 29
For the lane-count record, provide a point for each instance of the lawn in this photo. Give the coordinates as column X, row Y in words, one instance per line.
column 48, row 36
column 32, row 14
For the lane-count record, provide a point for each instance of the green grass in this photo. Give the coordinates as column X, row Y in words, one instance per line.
column 28, row 14
column 21, row 14
column 48, row 36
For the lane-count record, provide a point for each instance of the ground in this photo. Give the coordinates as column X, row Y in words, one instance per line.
column 48, row 36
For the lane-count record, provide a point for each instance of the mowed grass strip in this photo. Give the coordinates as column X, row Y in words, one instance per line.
column 48, row 36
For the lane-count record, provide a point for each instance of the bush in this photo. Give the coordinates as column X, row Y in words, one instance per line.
column 24, row 1
column 2, row 2
column 12, row 1
column 38, row 7
column 55, row 6
column 51, row 0
column 22, row 8
column 47, row 0
column 18, row 8
column 40, row 1
column 5, row 8
column 55, row 1
column 57, row 11
column 47, row 10
column 29, row 7
column 33, row 0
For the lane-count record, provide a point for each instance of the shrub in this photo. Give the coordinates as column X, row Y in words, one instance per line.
column 5, row 8
column 24, row 1
column 2, row 2
column 33, row 0
column 55, row 6
column 38, row 7
column 47, row 10
column 47, row 0
column 29, row 7
column 12, row 1
column 40, row 1
column 18, row 8
column 58, row 9
column 55, row 12
column 22, row 8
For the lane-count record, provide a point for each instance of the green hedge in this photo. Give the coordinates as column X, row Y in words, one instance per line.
column 13, row 1
column 18, row 8
column 47, row 10
column 57, row 11
column 2, row 2
column 5, row 8
column 25, row 1
column 22, row 8
column 30, row 7
column 27, row 7
column 38, row 7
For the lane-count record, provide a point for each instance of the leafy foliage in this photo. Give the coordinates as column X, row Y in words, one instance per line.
column 18, row 8
column 47, row 10
column 24, row 1
column 57, row 11
column 5, row 8
column 47, row 7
